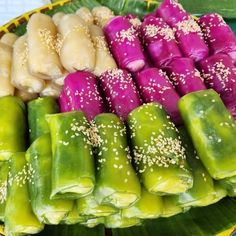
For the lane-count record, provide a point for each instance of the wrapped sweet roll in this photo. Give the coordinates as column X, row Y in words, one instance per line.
column 218, row 34
column 57, row 17
column 185, row 77
column 159, row 156
column 229, row 184
column 88, row 206
column 104, row 59
column 85, row 14
column 120, row 92
column 20, row 75
column 212, row 129
column 73, row 217
column 154, row 86
column 102, row 15
column 172, row 12
column 4, row 169
column 13, row 122
column 72, row 175
column 119, row 221
column 190, row 39
column 117, row 182
column 135, row 22
column 171, row 207
column 219, row 73
column 203, row 192
column 93, row 222
column 39, row 158
column 81, row 93
column 220, row 192
column 37, row 110
column 188, row 32
column 159, row 40
column 19, row 217
column 25, row 96
column 64, row 102
column 5, row 70
column 124, row 44
column 44, row 61
column 51, row 89
column 9, row 39
column 60, row 80
column 149, row 206
column 76, row 48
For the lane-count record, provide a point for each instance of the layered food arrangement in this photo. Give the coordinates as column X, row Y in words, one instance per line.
column 115, row 119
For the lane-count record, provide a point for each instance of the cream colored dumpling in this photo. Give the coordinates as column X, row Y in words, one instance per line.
column 86, row 15
column 102, row 15
column 76, row 47
column 44, row 62
column 57, row 17
column 6, row 87
column 60, row 81
column 25, row 96
column 104, row 59
column 20, row 75
column 9, row 39
column 51, row 90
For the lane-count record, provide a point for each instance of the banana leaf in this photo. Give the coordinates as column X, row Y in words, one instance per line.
column 227, row 8
column 202, row 221
column 72, row 230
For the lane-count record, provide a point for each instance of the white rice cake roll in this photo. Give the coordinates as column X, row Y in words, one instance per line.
column 51, row 90
column 104, row 59
column 20, row 75
column 9, row 39
column 102, row 15
column 6, row 87
column 86, row 15
column 57, row 17
column 25, row 96
column 76, row 50
column 44, row 61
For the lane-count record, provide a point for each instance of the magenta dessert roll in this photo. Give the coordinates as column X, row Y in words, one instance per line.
column 124, row 44
column 81, row 93
column 172, row 12
column 187, row 31
column 135, row 22
column 120, row 92
column 159, row 40
column 185, row 77
column 154, row 86
column 190, row 38
column 218, row 34
column 64, row 103
column 219, row 73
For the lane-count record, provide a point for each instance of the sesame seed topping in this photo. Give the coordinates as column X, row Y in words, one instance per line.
column 166, row 32
column 189, row 26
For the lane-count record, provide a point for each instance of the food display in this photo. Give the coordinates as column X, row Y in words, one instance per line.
column 115, row 119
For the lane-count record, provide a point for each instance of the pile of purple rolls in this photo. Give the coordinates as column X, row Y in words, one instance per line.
column 169, row 54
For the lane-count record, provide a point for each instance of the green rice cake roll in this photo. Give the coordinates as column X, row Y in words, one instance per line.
column 13, row 126
column 159, row 156
column 117, row 182
column 212, row 130
column 39, row 158
column 19, row 216
column 72, row 163
column 37, row 109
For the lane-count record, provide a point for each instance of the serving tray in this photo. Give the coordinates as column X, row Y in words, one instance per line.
column 218, row 219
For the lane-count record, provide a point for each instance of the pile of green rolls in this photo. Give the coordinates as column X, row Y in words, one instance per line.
column 109, row 172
